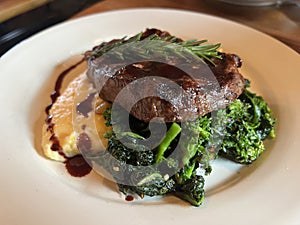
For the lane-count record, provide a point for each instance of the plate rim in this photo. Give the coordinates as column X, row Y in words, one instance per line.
column 69, row 23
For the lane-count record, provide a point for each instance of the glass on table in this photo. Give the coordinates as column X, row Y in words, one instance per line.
column 261, row 2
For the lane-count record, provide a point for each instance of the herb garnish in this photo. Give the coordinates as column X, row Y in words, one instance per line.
column 201, row 48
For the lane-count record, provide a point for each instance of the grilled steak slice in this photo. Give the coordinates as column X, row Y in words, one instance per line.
column 150, row 89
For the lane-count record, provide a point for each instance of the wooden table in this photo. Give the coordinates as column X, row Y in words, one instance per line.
column 282, row 22
column 11, row 8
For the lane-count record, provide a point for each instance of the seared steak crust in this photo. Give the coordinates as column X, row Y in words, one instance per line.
column 153, row 89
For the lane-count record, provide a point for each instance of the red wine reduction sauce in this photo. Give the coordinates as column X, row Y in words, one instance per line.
column 77, row 166
column 129, row 198
column 86, row 106
column 84, row 143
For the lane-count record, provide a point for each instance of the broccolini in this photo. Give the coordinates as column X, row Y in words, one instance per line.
column 236, row 133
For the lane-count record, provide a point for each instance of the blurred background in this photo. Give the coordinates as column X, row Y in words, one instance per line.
column 20, row 19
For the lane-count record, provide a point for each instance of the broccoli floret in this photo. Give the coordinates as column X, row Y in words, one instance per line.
column 236, row 132
column 195, row 142
column 248, row 123
column 262, row 115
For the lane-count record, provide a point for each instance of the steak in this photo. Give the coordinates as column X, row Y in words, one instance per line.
column 152, row 89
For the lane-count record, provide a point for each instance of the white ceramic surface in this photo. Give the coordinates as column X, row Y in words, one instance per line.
column 37, row 191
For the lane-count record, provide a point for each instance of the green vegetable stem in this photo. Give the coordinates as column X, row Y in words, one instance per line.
column 164, row 145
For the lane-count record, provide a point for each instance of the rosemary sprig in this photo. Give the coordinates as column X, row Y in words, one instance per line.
column 201, row 48
column 206, row 51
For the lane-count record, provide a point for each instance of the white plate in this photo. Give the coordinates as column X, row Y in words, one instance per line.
column 36, row 191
